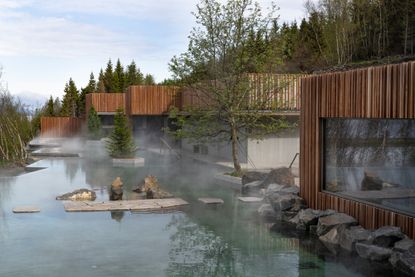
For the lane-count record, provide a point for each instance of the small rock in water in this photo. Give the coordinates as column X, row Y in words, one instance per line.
column 116, row 191
column 78, row 195
column 308, row 265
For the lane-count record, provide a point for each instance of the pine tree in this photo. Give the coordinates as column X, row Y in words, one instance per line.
column 70, row 100
column 100, row 87
column 118, row 78
column 133, row 75
column 90, row 88
column 149, row 80
column 57, row 107
column 49, row 107
column 120, row 144
column 109, row 77
column 94, row 125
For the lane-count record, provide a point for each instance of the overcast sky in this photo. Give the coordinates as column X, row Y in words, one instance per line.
column 44, row 43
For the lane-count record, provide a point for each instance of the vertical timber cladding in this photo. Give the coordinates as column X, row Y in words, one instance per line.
column 374, row 92
column 152, row 100
column 60, row 126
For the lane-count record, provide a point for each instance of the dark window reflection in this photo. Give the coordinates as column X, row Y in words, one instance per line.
column 371, row 160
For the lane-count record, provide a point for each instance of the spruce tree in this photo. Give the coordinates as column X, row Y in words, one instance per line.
column 90, row 88
column 149, row 80
column 49, row 107
column 70, row 100
column 118, row 78
column 120, row 143
column 94, row 125
column 100, row 88
column 109, row 77
column 133, row 75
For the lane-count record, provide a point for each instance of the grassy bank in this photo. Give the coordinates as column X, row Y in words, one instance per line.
column 16, row 131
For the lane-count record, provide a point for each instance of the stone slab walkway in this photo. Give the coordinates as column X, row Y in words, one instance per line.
column 124, row 205
column 26, row 209
column 250, row 199
column 207, row 200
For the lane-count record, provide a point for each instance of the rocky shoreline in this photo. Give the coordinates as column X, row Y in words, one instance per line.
column 337, row 231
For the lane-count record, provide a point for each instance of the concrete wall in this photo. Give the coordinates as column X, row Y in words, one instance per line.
column 271, row 152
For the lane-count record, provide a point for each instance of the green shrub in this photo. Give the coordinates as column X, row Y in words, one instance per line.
column 94, row 125
column 120, row 143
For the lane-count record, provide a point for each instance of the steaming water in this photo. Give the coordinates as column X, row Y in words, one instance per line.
column 226, row 240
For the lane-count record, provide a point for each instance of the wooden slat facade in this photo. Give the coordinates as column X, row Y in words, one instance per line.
column 60, row 126
column 105, row 102
column 152, row 100
column 281, row 91
column 374, row 92
column 270, row 92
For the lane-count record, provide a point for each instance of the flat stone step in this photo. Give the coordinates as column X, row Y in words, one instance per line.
column 208, row 200
column 26, row 209
column 123, row 205
column 250, row 199
column 135, row 162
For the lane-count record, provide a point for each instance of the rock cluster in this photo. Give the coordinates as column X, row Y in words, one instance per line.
column 337, row 231
column 78, row 195
column 152, row 189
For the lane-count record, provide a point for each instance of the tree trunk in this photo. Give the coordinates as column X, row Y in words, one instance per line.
column 235, row 158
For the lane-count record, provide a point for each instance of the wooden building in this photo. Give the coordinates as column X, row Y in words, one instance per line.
column 351, row 100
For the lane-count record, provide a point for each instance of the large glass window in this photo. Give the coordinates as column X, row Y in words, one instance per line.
column 371, row 160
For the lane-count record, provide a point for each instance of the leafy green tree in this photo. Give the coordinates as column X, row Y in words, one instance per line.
column 215, row 66
column 70, row 100
column 100, row 88
column 133, row 75
column 120, row 143
column 94, row 124
column 109, row 77
column 149, row 80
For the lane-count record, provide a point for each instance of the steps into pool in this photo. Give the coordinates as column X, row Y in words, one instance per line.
column 123, row 205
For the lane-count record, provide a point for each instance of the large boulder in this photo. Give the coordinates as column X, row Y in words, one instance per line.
column 325, row 224
column 266, row 211
column 251, row 176
column 252, row 188
column 387, row 236
column 281, row 189
column 116, row 191
column 308, row 217
column 350, row 236
column 152, row 189
column 373, row 252
column 406, row 262
column 282, row 176
column 332, row 238
column 399, row 248
column 78, row 195
column 285, row 202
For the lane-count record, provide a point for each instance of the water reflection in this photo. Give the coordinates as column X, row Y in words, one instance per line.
column 117, row 215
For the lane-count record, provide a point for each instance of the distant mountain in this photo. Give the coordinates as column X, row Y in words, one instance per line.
column 31, row 100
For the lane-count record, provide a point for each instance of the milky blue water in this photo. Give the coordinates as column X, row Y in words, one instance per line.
column 199, row 240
